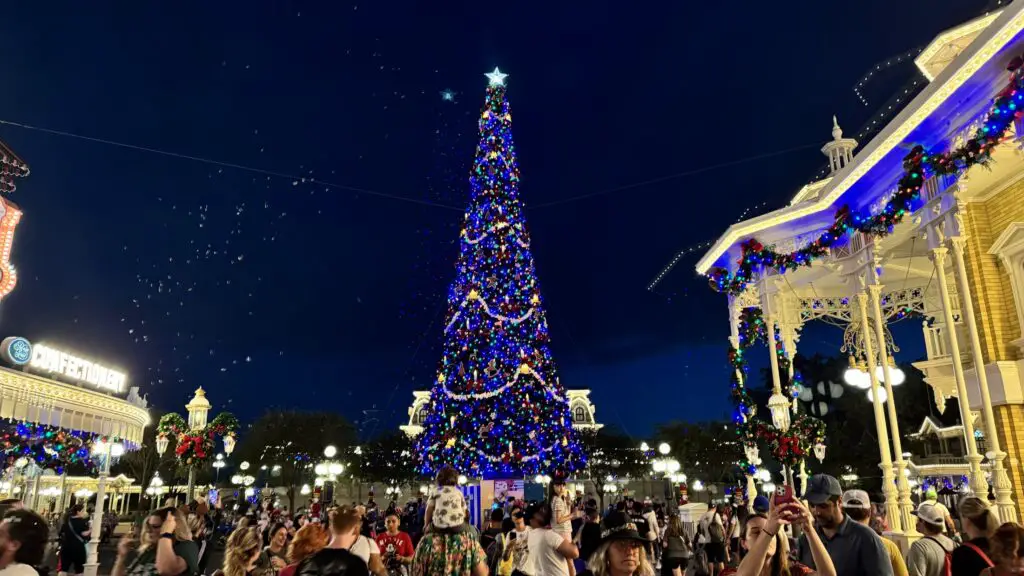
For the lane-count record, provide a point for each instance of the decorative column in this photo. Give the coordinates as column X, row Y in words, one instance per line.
column 892, row 509
column 1005, row 509
column 734, row 339
column 902, row 485
column 977, row 479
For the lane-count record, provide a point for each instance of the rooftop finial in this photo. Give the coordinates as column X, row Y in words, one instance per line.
column 837, row 132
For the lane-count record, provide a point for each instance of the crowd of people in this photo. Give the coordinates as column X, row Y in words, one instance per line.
column 829, row 532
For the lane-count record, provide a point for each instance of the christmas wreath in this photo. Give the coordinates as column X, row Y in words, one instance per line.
column 196, row 447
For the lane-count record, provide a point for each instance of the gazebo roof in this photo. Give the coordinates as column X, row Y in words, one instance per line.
column 960, row 92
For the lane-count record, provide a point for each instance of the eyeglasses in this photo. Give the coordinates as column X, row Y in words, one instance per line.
column 627, row 545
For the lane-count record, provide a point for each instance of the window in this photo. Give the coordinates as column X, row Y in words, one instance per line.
column 420, row 417
column 579, row 415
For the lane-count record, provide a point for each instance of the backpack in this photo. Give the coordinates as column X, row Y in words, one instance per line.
column 715, row 531
column 506, row 561
column 496, row 555
column 947, row 568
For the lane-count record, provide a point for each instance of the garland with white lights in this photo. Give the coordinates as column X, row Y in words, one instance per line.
column 523, row 369
column 487, row 310
column 918, row 166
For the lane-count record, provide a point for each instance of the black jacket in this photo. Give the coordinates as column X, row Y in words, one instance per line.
column 332, row 562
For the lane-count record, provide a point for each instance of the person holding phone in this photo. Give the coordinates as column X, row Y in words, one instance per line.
column 165, row 548
column 767, row 546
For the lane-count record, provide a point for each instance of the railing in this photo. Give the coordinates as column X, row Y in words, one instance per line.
column 936, row 344
column 936, row 341
column 939, row 460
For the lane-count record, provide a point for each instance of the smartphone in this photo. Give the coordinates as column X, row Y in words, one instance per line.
column 783, row 495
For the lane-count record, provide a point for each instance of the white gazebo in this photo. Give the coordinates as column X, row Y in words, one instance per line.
column 919, row 263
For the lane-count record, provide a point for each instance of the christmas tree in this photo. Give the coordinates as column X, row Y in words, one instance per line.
column 497, row 407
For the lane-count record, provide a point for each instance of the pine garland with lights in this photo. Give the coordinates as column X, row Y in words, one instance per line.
column 791, row 446
column 47, row 446
column 918, row 166
column 497, row 406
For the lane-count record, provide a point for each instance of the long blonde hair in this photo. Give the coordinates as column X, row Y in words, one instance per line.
column 598, row 563
column 977, row 511
column 241, row 546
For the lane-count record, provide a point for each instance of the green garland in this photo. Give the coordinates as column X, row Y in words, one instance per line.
column 196, row 447
column 918, row 165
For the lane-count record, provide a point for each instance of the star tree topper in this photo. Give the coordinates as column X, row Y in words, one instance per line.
column 497, row 77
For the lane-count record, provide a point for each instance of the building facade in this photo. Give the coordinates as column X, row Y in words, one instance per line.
column 580, row 406
column 951, row 256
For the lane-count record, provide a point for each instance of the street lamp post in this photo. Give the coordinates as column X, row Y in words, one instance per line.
column 105, row 451
column 196, row 434
column 668, row 468
column 329, row 470
column 218, row 464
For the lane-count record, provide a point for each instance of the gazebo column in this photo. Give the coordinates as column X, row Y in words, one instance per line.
column 1005, row 509
column 977, row 479
column 892, row 509
column 902, row 485
column 734, row 339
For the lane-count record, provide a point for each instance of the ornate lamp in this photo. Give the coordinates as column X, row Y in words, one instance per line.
column 752, row 453
column 229, row 444
column 162, row 442
column 779, row 406
column 819, row 450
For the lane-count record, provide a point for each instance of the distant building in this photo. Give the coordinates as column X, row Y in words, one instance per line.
column 580, row 406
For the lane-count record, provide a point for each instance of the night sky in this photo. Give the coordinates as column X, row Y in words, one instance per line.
column 292, row 244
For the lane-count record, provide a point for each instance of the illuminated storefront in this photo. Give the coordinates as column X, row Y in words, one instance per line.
column 49, row 385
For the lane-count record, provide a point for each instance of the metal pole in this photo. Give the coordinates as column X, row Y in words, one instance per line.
column 191, row 483
column 92, row 564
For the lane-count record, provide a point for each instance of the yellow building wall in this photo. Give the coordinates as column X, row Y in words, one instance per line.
column 990, row 284
column 995, row 311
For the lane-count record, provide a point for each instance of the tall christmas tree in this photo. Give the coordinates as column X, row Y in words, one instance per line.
column 497, row 407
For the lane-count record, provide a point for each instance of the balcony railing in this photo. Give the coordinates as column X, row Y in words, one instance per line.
column 938, row 460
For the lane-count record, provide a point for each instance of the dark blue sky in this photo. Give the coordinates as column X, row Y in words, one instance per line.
column 281, row 290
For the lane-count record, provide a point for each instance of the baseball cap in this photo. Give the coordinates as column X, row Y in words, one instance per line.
column 856, row 499
column 931, row 514
column 821, row 488
column 761, row 504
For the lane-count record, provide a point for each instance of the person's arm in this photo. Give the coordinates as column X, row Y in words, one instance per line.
column 167, row 562
column 566, row 548
column 406, row 553
column 429, row 514
column 376, row 565
column 950, row 526
column 122, row 552
column 753, row 562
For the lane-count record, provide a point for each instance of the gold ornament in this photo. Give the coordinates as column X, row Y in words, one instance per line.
column 535, row 300
column 473, row 294
column 524, row 368
column 451, row 443
column 440, row 377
